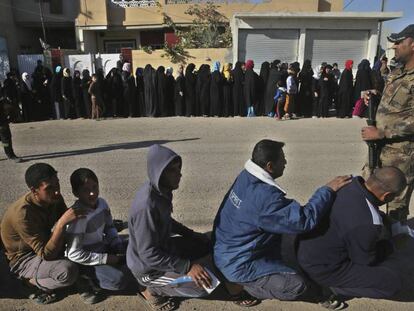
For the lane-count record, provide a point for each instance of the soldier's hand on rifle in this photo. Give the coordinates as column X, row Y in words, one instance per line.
column 367, row 96
column 339, row 181
column 371, row 133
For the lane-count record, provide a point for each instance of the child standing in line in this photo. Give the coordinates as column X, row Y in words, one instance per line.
column 291, row 89
column 93, row 241
column 96, row 98
column 280, row 100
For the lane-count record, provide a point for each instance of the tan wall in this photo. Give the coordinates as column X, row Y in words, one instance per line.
column 92, row 13
column 197, row 57
column 330, row 5
column 117, row 16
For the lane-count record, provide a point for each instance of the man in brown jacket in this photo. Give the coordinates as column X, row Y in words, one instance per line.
column 32, row 232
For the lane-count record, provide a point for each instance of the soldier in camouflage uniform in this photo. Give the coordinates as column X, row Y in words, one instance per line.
column 394, row 130
column 6, row 112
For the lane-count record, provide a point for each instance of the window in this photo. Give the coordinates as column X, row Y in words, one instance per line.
column 115, row 46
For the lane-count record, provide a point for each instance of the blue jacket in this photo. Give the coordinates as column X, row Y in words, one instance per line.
column 250, row 221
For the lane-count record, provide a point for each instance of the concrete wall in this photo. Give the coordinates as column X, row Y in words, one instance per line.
column 103, row 13
column 92, row 13
column 197, row 57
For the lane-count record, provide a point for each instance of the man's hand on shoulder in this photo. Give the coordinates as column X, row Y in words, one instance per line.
column 71, row 215
column 338, row 182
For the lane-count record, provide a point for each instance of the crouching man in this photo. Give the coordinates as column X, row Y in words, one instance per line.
column 348, row 252
column 252, row 218
column 33, row 230
column 158, row 261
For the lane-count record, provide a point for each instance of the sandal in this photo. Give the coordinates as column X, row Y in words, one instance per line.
column 245, row 300
column 88, row 291
column 159, row 303
column 334, row 303
column 43, row 298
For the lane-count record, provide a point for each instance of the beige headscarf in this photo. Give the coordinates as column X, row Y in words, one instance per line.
column 66, row 72
column 227, row 71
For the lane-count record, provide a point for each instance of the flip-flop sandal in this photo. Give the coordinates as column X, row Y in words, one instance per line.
column 159, row 303
column 43, row 298
column 245, row 300
column 334, row 303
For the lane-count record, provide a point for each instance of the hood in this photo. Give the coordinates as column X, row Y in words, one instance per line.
column 158, row 159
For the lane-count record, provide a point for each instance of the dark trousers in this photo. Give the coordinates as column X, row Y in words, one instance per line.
column 282, row 286
column 354, row 280
column 6, row 140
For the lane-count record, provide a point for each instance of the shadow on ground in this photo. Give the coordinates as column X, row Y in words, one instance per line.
column 105, row 148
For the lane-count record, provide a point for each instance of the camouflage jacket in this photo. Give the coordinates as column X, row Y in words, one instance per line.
column 395, row 114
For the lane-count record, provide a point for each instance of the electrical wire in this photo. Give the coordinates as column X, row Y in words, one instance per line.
column 349, row 3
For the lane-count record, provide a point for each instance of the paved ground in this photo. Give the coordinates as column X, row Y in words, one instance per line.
column 213, row 150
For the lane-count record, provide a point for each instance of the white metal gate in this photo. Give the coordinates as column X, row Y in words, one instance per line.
column 28, row 62
column 336, row 46
column 106, row 61
column 268, row 44
column 79, row 62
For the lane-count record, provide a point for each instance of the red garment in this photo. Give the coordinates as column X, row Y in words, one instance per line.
column 348, row 64
column 249, row 64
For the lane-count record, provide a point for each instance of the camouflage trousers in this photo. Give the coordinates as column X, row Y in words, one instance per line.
column 402, row 157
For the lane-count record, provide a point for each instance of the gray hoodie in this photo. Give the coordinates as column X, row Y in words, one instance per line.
column 150, row 223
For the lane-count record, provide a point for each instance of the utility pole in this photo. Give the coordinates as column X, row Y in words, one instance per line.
column 380, row 30
column 42, row 20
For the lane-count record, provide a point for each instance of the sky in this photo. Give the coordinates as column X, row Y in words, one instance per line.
column 406, row 6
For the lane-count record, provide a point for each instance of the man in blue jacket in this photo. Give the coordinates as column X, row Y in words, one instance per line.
column 252, row 218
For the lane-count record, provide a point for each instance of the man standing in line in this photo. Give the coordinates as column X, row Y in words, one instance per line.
column 394, row 130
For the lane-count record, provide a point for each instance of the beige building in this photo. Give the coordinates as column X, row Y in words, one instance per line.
column 106, row 26
column 21, row 26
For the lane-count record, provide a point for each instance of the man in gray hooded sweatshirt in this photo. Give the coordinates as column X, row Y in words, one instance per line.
column 158, row 261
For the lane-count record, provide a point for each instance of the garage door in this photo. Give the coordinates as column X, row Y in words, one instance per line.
column 336, row 46
column 262, row 45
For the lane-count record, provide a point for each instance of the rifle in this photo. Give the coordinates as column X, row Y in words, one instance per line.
column 373, row 147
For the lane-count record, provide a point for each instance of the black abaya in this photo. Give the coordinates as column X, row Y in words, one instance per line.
column 190, row 91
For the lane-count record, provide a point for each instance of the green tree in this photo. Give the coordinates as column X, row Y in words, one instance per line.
column 209, row 29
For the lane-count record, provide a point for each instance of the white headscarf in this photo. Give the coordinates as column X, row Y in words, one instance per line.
column 26, row 80
column 317, row 72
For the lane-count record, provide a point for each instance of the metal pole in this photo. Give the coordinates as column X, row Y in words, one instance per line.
column 41, row 20
column 380, row 29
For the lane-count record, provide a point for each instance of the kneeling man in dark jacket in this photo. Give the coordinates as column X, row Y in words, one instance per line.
column 348, row 251
column 167, row 266
column 252, row 218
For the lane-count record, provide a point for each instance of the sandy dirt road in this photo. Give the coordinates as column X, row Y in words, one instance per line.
column 214, row 151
